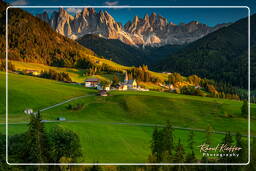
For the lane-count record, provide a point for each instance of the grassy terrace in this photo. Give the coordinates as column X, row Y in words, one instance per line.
column 77, row 74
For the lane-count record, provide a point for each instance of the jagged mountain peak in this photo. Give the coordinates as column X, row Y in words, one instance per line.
column 152, row 29
column 85, row 12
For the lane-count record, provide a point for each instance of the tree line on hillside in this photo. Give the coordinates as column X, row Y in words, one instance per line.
column 203, row 87
column 36, row 145
column 142, row 73
column 51, row 74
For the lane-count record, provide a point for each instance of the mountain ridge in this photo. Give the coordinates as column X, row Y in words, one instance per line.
column 153, row 30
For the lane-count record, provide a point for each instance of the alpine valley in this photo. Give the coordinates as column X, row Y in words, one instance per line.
column 83, row 88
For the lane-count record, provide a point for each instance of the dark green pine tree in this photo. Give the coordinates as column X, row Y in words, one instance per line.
column 227, row 140
column 115, row 81
column 36, row 141
column 190, row 157
column 156, row 144
column 179, row 157
column 167, row 141
column 242, row 153
column 244, row 109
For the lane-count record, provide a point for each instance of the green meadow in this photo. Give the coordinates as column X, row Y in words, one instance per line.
column 115, row 128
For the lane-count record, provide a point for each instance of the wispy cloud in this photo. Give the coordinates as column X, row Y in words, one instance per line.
column 74, row 10
column 19, row 3
column 111, row 3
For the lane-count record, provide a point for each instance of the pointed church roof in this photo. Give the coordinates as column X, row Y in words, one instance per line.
column 126, row 77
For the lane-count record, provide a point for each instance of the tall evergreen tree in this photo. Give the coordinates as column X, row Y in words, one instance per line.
column 167, row 141
column 242, row 153
column 244, row 109
column 37, row 141
column 227, row 140
column 179, row 157
column 115, row 80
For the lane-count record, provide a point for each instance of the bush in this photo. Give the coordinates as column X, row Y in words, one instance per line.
column 64, row 143
column 51, row 74
column 78, row 106
column 190, row 90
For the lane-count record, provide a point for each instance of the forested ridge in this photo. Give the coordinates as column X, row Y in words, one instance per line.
column 115, row 50
column 32, row 40
column 221, row 55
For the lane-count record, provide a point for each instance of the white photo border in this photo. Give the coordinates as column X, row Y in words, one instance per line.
column 249, row 91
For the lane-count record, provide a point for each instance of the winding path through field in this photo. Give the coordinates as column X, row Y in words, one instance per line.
column 66, row 101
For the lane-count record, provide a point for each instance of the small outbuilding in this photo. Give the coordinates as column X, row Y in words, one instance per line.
column 61, row 118
column 28, row 111
column 91, row 82
column 103, row 93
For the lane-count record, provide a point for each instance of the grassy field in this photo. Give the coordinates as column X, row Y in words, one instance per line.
column 118, row 143
column 95, row 122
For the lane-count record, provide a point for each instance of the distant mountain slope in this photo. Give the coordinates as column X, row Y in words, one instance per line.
column 149, row 30
column 113, row 49
column 32, row 40
column 125, row 54
column 221, row 55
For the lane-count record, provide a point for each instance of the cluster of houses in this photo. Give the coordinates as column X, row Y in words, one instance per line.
column 122, row 86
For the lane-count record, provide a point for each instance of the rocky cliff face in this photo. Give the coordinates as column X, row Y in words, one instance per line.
column 150, row 30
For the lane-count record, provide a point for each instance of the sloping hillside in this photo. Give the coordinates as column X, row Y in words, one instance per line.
column 220, row 55
column 32, row 40
column 125, row 54
column 114, row 49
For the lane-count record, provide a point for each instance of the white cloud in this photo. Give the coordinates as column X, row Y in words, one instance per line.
column 113, row 3
column 19, row 3
column 74, row 10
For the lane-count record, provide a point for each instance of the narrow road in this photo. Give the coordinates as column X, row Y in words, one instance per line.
column 127, row 123
column 66, row 101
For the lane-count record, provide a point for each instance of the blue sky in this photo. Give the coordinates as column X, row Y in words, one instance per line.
column 207, row 16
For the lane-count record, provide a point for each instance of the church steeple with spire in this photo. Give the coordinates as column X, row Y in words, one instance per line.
column 126, row 78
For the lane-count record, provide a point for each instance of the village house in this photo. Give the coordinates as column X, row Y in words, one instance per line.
column 32, row 72
column 91, row 82
column 100, row 87
column 122, row 87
